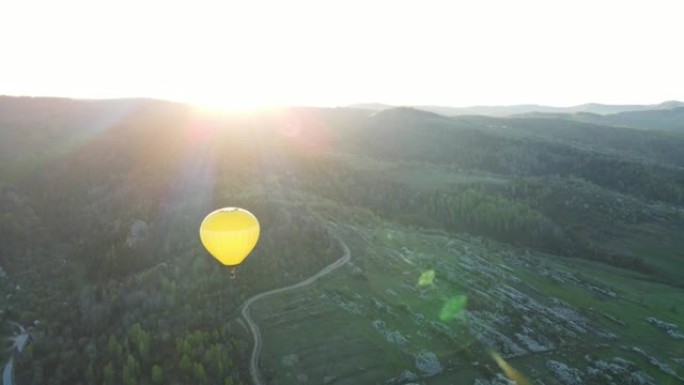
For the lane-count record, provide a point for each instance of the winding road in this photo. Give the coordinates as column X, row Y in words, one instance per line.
column 254, row 329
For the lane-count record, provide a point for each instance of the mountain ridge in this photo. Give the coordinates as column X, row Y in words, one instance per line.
column 510, row 110
column 668, row 119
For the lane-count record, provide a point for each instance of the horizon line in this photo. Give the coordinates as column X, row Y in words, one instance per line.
column 337, row 105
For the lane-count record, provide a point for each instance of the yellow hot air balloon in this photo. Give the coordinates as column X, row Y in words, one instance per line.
column 229, row 234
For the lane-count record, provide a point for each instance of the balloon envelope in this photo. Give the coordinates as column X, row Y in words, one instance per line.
column 229, row 234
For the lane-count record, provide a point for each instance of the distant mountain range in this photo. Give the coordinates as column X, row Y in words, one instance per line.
column 501, row 111
column 657, row 119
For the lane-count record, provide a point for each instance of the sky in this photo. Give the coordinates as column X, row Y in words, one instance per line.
column 330, row 53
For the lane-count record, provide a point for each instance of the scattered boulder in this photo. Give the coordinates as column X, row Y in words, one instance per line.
column 670, row 329
column 405, row 377
column 531, row 344
column 565, row 374
column 428, row 363
column 616, row 371
column 392, row 336
column 663, row 367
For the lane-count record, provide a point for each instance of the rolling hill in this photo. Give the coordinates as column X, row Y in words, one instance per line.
column 671, row 119
column 540, row 243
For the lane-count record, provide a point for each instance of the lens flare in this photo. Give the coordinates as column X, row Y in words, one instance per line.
column 453, row 308
column 427, row 278
column 509, row 371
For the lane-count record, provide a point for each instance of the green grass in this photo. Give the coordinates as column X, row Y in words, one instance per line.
column 382, row 282
column 638, row 299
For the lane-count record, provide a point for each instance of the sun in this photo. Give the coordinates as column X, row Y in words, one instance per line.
column 221, row 97
column 222, row 104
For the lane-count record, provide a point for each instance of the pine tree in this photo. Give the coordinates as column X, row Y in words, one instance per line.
column 108, row 374
column 200, row 374
column 114, row 347
column 185, row 364
column 157, row 375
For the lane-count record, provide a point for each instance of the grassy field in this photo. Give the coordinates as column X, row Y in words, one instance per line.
column 435, row 307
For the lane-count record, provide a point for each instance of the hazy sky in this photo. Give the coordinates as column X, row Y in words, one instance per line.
column 251, row 52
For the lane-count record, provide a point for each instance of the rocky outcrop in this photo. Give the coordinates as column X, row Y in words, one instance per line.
column 427, row 363
column 565, row 374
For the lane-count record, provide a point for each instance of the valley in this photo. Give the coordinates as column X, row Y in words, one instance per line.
column 397, row 247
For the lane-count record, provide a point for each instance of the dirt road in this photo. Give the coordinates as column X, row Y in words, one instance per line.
column 254, row 328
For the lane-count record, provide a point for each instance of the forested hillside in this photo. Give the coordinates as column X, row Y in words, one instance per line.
column 100, row 203
column 669, row 119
